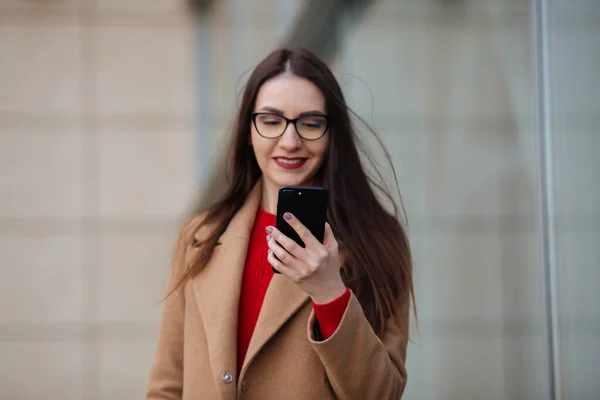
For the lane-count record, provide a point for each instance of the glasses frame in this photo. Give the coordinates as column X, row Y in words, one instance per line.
column 287, row 123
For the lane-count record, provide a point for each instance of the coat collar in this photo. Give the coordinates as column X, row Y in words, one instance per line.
column 217, row 293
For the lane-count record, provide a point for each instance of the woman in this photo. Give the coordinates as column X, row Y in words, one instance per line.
column 334, row 323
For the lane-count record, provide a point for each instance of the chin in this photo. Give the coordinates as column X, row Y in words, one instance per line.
column 290, row 182
column 299, row 180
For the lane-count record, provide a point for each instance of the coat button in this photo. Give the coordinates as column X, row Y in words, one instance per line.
column 227, row 378
column 245, row 386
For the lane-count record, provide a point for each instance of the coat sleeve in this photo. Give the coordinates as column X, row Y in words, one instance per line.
column 359, row 364
column 166, row 375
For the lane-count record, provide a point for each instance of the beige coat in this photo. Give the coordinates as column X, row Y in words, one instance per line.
column 196, row 352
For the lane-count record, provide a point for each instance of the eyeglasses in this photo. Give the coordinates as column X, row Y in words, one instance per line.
column 272, row 126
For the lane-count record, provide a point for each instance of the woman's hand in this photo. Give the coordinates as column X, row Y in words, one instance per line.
column 315, row 268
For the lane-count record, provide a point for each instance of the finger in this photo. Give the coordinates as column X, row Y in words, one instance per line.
column 282, row 254
column 305, row 234
column 281, row 267
column 329, row 239
column 288, row 244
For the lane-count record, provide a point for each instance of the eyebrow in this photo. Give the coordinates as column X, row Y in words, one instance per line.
column 302, row 114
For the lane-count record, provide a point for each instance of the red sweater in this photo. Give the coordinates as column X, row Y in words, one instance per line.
column 255, row 281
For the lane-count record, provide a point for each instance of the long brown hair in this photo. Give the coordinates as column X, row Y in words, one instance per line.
column 378, row 266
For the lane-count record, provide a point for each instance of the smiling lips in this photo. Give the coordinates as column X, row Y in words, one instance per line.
column 290, row 163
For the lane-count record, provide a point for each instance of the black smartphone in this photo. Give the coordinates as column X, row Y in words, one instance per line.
column 308, row 204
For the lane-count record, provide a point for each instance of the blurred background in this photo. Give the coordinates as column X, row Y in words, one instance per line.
column 112, row 111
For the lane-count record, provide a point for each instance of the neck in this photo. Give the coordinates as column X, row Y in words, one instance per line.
column 269, row 197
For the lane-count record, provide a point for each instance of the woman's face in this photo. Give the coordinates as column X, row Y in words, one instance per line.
column 289, row 160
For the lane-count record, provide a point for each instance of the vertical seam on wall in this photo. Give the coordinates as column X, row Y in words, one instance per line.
column 90, row 301
column 202, row 48
column 546, row 189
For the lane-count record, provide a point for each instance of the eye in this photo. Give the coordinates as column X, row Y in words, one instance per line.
column 313, row 122
column 269, row 119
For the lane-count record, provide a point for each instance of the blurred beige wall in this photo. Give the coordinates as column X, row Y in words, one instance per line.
column 96, row 171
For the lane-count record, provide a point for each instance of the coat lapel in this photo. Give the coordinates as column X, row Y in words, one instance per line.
column 217, row 292
column 217, row 288
column 282, row 301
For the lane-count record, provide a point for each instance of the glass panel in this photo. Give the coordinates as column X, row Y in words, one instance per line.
column 573, row 57
column 449, row 88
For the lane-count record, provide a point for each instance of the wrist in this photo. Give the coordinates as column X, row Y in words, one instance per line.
column 330, row 295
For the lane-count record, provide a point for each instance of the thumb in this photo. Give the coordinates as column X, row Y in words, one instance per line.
column 329, row 240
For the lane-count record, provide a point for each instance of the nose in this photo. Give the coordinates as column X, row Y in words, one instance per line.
column 290, row 140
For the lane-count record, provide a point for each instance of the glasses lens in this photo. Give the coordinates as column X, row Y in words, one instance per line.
column 311, row 127
column 270, row 125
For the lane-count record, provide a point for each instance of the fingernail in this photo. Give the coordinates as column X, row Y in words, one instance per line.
column 269, row 229
column 268, row 238
column 287, row 216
